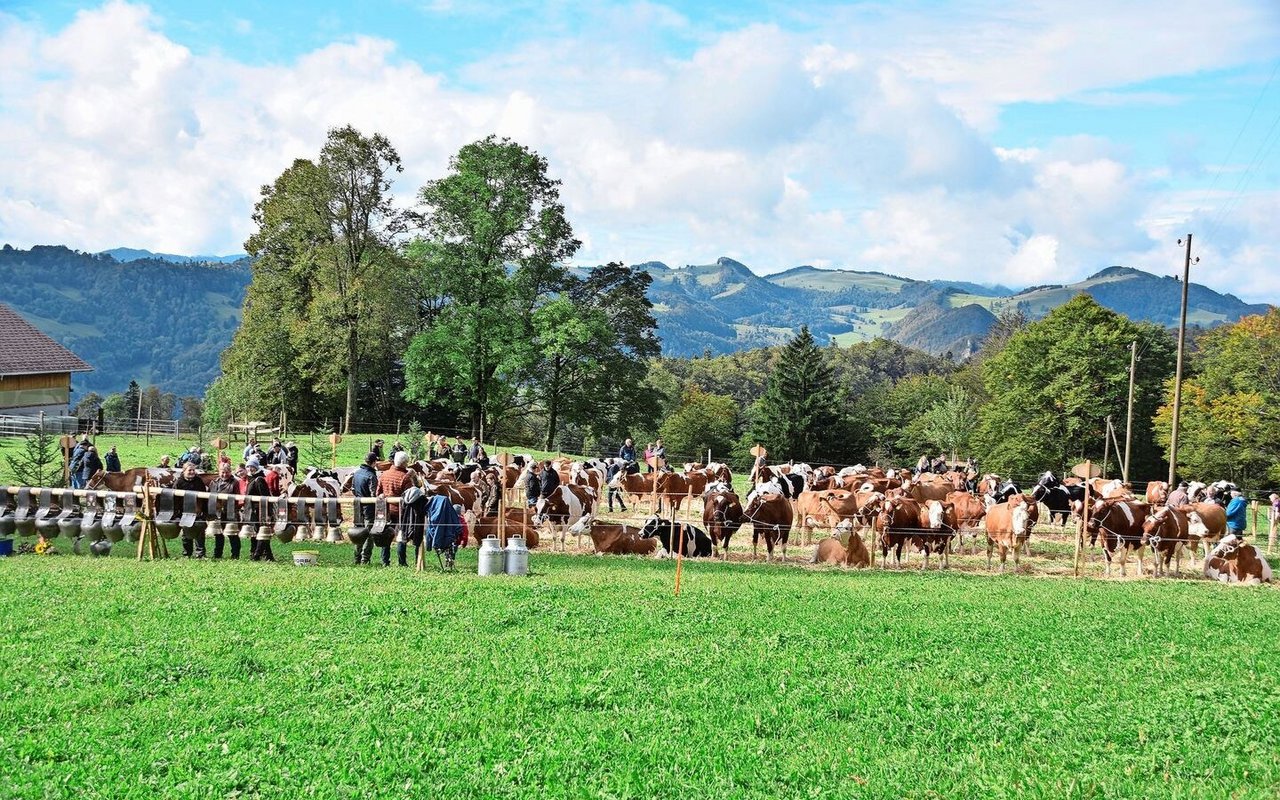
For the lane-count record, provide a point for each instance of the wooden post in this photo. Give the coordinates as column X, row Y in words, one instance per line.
column 679, row 554
column 65, row 441
column 502, row 512
column 1084, row 520
column 334, row 439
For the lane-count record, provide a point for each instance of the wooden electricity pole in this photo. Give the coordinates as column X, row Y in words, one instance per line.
column 1177, row 378
column 1128, row 425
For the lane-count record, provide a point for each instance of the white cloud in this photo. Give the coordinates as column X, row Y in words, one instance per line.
column 852, row 148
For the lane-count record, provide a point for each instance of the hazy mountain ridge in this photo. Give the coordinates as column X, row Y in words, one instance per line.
column 166, row 320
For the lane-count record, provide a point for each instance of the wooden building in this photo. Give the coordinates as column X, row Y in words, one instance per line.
column 35, row 371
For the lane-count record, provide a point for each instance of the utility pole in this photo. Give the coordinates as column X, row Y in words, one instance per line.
column 1106, row 446
column 1177, row 378
column 1128, row 425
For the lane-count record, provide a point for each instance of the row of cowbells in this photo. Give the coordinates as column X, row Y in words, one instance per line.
column 50, row 513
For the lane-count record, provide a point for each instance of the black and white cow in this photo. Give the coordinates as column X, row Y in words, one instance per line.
column 1060, row 499
column 697, row 544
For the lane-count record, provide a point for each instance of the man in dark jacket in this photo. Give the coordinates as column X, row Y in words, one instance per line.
column 225, row 483
column 365, row 484
column 458, row 453
column 256, row 487
column 76, row 463
column 532, row 483
column 113, row 460
column 550, row 480
column 477, row 455
column 377, row 450
column 628, row 450
column 188, row 481
column 90, row 464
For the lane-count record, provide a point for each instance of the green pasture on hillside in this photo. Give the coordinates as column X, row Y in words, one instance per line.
column 590, row 679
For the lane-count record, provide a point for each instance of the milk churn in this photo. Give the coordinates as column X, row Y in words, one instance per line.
column 491, row 556
column 517, row 556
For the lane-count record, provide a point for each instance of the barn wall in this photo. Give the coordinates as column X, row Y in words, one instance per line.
column 27, row 394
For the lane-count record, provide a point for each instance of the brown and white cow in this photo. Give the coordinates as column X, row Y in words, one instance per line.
column 636, row 486
column 1117, row 523
column 620, row 540
column 1207, row 524
column 722, row 515
column 1236, row 561
column 518, row 522
column 1008, row 527
column 833, row 551
column 897, row 520
column 970, row 511
column 1157, row 493
column 672, row 489
column 1165, row 532
column 924, row 490
column 770, row 514
column 569, row 507
column 937, row 528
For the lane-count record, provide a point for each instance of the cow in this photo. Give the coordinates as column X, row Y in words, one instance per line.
column 1118, row 524
column 924, row 490
column 1157, row 493
column 789, row 482
column 996, row 491
column 1009, row 527
column 517, row 522
column 635, row 485
column 1113, row 489
column 672, row 487
column 898, row 518
column 620, row 540
column 969, row 513
column 937, row 528
column 1165, row 532
column 1058, row 497
column 722, row 516
column 771, row 514
column 568, row 506
column 812, row 512
column 1207, row 523
column 832, row 551
column 677, row 538
column 1236, row 561
column 584, row 475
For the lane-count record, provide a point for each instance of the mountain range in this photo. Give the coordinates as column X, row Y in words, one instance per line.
column 164, row 319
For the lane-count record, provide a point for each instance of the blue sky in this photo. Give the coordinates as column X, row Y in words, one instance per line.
column 1013, row 142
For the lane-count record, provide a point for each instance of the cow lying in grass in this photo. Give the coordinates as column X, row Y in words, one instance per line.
column 620, row 540
column 833, row 551
column 677, row 537
column 1235, row 561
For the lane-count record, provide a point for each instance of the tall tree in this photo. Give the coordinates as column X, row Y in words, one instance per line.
column 499, row 236
column 1055, row 382
column 796, row 413
column 949, row 424
column 132, row 398
column 327, row 235
column 702, row 422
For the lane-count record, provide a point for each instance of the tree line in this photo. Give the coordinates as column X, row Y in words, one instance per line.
column 459, row 310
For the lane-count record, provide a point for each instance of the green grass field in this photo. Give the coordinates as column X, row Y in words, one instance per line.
column 589, row 679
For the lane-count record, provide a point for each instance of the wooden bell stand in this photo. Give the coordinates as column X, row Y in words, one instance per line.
column 150, row 542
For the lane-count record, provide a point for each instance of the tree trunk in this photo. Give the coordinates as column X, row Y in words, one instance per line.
column 352, row 342
column 553, row 405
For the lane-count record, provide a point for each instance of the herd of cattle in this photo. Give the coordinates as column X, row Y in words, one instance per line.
column 930, row 514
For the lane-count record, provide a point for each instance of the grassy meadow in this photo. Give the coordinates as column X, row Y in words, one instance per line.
column 186, row 679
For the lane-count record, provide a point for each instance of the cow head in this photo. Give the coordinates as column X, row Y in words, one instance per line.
column 1019, row 515
column 1048, row 480
column 935, row 512
column 541, row 511
column 716, row 487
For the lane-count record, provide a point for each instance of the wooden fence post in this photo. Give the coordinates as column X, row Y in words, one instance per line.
column 1084, row 520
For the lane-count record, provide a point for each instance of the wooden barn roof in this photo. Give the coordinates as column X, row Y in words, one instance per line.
column 24, row 350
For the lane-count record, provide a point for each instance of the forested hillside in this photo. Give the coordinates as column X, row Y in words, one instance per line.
column 154, row 321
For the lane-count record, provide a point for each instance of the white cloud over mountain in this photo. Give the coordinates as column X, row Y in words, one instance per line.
column 867, row 146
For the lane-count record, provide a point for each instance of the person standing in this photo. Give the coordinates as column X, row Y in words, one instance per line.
column 365, row 484
column 250, row 450
column 226, row 483
column 291, row 457
column 648, row 457
column 188, row 481
column 627, row 452
column 377, row 449
column 659, row 456
column 394, row 482
column 90, row 465
column 458, row 453
column 1178, row 497
column 113, row 460
column 532, row 483
column 1237, row 513
column 550, row 480
column 75, row 463
column 476, row 453
column 256, row 487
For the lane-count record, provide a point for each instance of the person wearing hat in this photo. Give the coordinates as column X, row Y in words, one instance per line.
column 1237, row 513
column 113, row 460
column 90, row 465
column 256, row 486
column 1178, row 497
column 365, row 484
column 761, row 455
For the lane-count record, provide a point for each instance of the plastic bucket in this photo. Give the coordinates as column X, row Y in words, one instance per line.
column 306, row 558
column 6, row 548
